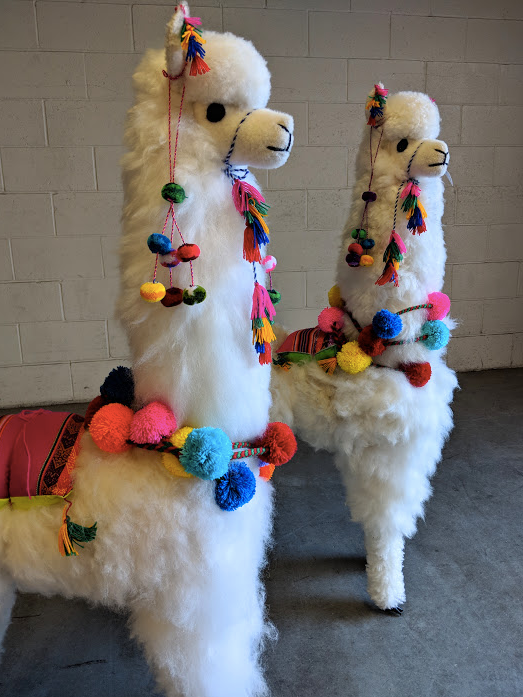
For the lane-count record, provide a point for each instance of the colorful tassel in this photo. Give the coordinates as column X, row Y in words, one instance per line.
column 376, row 103
column 413, row 208
column 70, row 533
column 192, row 41
column 262, row 314
column 328, row 364
column 392, row 257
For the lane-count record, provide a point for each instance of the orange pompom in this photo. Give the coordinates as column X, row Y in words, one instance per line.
column 110, row 428
column 266, row 472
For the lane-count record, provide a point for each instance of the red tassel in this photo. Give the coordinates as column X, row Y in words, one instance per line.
column 265, row 357
column 251, row 251
column 198, row 66
column 386, row 276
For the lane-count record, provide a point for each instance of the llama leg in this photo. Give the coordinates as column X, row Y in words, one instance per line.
column 7, row 599
column 385, row 582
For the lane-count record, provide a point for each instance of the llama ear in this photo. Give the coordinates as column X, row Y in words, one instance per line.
column 375, row 106
column 173, row 48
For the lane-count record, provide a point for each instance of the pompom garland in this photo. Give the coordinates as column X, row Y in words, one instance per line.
column 173, row 465
column 206, row 453
column 279, row 443
column 386, row 324
column 235, row 488
column 152, row 423
column 110, row 428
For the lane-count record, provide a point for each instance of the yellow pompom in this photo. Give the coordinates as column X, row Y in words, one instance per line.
column 366, row 260
column 152, row 292
column 352, row 359
column 174, row 466
column 335, row 299
column 179, row 437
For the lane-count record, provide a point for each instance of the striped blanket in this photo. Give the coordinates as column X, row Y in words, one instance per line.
column 308, row 344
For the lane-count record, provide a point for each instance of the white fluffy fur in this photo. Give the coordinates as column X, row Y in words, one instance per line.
column 386, row 435
column 187, row 571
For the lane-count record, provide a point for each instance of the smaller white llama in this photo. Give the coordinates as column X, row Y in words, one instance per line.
column 187, row 570
column 386, row 434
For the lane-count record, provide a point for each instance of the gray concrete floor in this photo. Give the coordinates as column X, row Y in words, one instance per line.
column 461, row 631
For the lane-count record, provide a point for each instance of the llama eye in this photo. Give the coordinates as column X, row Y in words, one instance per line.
column 402, row 145
column 215, row 112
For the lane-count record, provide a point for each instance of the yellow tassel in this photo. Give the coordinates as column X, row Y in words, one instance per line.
column 262, row 334
column 190, row 31
column 328, row 365
column 256, row 214
column 65, row 545
column 422, row 210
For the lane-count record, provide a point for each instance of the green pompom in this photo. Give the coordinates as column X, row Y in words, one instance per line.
column 362, row 234
column 274, row 296
column 173, row 192
column 355, row 233
column 194, row 296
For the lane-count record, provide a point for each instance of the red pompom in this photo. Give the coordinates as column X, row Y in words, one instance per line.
column 188, row 252
column 97, row 403
column 331, row 319
column 370, row 343
column 110, row 428
column 279, row 442
column 152, row 423
column 418, row 374
column 356, row 248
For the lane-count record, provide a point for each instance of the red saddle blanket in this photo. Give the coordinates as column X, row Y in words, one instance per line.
column 38, row 450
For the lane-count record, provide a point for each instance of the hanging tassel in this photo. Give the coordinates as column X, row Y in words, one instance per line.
column 198, row 66
column 376, row 103
column 392, row 257
column 241, row 192
column 70, row 533
column 266, row 356
column 261, row 301
column 413, row 208
column 328, row 365
column 262, row 314
column 192, row 41
column 262, row 331
column 251, row 251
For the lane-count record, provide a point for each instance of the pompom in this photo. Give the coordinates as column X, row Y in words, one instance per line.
column 179, row 437
column 170, row 260
column 366, row 260
column 188, row 252
column 111, row 427
column 387, row 324
column 235, row 488
column 173, row 297
column 418, row 374
column 173, row 465
column 118, row 386
column 370, row 342
column 152, row 423
column 266, row 472
column 152, row 292
column 353, row 259
column 331, row 319
column 159, row 244
column 440, row 306
column 352, row 359
column 194, row 295
column 356, row 248
column 269, row 263
column 206, row 453
column 173, row 192
column 274, row 296
column 368, row 243
column 96, row 404
column 279, row 443
column 437, row 334
column 335, row 299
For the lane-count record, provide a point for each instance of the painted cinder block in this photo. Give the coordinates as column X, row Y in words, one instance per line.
column 109, row 75
column 49, row 259
column 21, row 215
column 52, row 342
column 318, row 285
column 489, row 280
column 17, row 28
column 6, row 265
column 487, row 204
column 118, row 344
column 89, row 299
column 336, row 124
column 9, row 345
column 95, row 213
column 472, row 166
column 32, row 74
column 505, row 242
column 149, row 23
column 494, row 41
column 504, row 9
column 30, row 302
column 291, row 285
column 108, row 170
column 31, row 385
column 354, row 35
column 309, row 79
column 508, row 166
column 396, row 75
column 48, row 169
column 463, row 83
column 480, row 352
column 96, row 122
column 315, row 167
column 88, row 376
column 469, row 317
column 22, row 122
column 427, row 38
column 273, row 32
column 328, row 209
column 466, row 243
column 492, row 125
column 503, row 316
column 288, row 211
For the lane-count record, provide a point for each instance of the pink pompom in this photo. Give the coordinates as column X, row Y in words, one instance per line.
column 440, row 305
column 331, row 319
column 152, row 423
column 269, row 263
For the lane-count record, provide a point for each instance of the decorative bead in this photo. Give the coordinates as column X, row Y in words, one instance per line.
column 331, row 319
column 438, row 334
column 173, row 192
column 356, row 248
column 274, row 296
column 269, row 263
column 159, row 244
column 235, row 488
column 366, row 260
column 335, row 299
column 369, row 196
column 170, row 260
column 173, row 297
column 352, row 259
column 152, row 292
column 194, row 295
column 352, row 359
column 387, row 325
column 188, row 252
column 368, row 243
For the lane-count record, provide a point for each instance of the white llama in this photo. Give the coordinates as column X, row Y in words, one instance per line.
column 187, row 571
column 386, row 434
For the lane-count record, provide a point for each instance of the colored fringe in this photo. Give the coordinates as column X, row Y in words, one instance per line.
column 70, row 533
column 413, row 208
column 192, row 41
column 262, row 314
column 251, row 204
column 376, row 103
column 392, row 257
column 328, row 365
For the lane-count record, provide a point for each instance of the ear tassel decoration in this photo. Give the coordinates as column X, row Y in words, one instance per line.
column 376, row 103
column 192, row 41
column 412, row 207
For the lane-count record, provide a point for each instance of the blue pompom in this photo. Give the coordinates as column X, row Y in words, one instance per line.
column 367, row 244
column 235, row 488
column 206, row 453
column 159, row 244
column 387, row 324
column 437, row 332
column 119, row 386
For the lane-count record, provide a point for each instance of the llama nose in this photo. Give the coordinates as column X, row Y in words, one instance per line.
column 289, row 142
column 445, row 155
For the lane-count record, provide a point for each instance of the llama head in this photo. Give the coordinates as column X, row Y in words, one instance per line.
column 409, row 145
column 227, row 104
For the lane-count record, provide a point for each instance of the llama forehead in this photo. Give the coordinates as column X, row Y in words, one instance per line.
column 238, row 73
column 411, row 115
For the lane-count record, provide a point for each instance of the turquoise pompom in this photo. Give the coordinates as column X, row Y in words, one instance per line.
column 437, row 333
column 206, row 453
column 387, row 325
column 159, row 244
column 235, row 488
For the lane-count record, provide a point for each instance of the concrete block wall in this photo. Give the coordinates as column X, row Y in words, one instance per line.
column 65, row 69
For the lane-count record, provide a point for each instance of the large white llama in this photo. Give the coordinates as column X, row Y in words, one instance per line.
column 186, row 570
column 386, row 433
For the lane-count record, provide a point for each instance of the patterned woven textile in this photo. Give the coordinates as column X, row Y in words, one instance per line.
column 38, row 450
column 309, row 341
